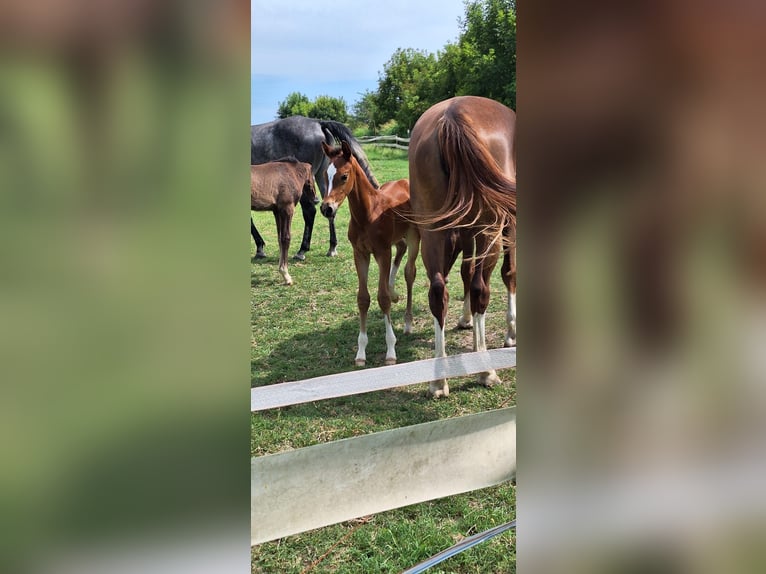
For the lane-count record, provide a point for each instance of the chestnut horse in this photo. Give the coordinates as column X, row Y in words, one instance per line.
column 278, row 186
column 375, row 226
column 463, row 195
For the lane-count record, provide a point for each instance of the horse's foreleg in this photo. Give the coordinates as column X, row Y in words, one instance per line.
column 401, row 248
column 309, row 211
column 259, row 242
column 508, row 272
column 333, row 251
column 410, row 270
column 362, row 264
column 384, row 300
column 284, row 220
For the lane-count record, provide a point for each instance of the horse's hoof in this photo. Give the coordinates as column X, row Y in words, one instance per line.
column 394, row 297
column 260, row 255
column 509, row 342
column 390, row 361
column 333, row 252
column 300, row 256
column 463, row 324
column 437, row 390
column 359, row 362
column 489, row 379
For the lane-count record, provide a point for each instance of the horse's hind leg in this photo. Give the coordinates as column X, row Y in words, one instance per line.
column 259, row 242
column 309, row 213
column 508, row 272
column 480, row 301
column 284, row 219
column 401, row 248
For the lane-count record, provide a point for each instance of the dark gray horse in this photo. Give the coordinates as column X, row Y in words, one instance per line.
column 302, row 137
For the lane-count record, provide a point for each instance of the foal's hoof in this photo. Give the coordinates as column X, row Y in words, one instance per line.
column 394, row 297
column 360, row 362
column 437, row 390
column 300, row 256
column 489, row 379
column 463, row 324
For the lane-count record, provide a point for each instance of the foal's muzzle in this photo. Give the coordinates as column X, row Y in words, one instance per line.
column 328, row 209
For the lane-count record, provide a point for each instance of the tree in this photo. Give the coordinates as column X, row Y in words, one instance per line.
column 296, row 104
column 406, row 87
column 486, row 51
column 322, row 108
column 329, row 108
column 366, row 111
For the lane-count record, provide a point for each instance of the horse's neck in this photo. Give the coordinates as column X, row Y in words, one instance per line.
column 364, row 198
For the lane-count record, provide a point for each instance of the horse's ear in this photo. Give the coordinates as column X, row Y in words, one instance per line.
column 326, row 149
column 346, row 149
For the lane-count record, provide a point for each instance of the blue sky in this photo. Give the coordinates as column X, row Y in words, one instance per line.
column 337, row 48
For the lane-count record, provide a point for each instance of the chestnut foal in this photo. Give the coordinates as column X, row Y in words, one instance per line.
column 377, row 223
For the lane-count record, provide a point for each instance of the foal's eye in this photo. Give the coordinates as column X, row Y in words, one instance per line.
column 344, row 177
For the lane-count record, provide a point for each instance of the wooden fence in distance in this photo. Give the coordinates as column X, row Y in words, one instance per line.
column 386, row 141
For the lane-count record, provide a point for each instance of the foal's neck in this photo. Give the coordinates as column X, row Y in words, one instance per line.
column 363, row 197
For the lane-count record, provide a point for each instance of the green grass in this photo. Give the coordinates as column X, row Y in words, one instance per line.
column 309, row 329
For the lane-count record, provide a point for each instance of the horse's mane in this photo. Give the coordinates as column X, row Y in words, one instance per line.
column 288, row 159
column 335, row 132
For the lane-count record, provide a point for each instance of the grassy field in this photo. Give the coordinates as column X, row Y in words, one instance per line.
column 310, row 329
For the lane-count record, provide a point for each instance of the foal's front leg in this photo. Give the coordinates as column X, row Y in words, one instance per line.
column 362, row 264
column 384, row 300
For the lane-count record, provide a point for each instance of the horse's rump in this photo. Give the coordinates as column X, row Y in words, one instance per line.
column 478, row 192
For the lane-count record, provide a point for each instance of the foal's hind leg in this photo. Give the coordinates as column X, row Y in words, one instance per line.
column 259, row 242
column 401, row 248
column 384, row 300
column 284, row 219
column 362, row 264
column 410, row 270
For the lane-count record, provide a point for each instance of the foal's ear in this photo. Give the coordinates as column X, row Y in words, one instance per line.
column 326, row 149
column 346, row 149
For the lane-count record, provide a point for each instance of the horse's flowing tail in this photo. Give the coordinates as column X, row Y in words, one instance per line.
column 337, row 131
column 478, row 193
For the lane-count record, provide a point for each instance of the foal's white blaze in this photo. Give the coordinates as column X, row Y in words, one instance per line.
column 510, row 318
column 330, row 174
column 361, row 354
column 390, row 342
